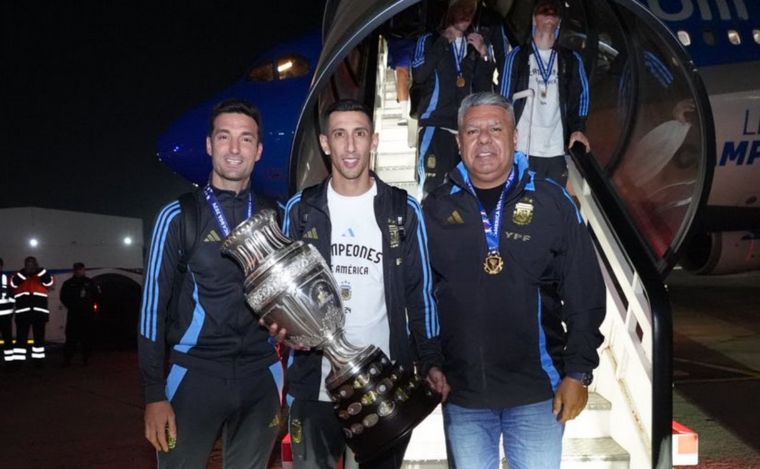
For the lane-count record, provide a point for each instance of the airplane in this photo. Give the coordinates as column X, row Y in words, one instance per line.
column 722, row 38
column 674, row 125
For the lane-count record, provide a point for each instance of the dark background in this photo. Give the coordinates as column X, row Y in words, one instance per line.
column 87, row 88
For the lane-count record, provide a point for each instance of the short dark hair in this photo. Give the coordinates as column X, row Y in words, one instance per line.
column 78, row 265
column 343, row 105
column 235, row 106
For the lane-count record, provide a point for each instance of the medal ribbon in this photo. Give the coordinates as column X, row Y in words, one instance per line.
column 216, row 209
column 459, row 54
column 492, row 229
column 544, row 69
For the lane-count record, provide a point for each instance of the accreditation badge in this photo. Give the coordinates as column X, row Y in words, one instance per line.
column 523, row 213
column 431, row 162
column 393, row 235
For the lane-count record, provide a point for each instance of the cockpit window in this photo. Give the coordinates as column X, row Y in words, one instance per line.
column 285, row 67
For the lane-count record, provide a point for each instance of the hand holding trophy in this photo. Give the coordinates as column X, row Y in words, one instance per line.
column 290, row 284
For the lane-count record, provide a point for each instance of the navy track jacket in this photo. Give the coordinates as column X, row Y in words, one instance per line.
column 412, row 314
column 502, row 335
column 574, row 97
column 211, row 329
column 434, row 69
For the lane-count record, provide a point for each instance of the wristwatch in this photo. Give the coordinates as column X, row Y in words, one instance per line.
column 584, row 378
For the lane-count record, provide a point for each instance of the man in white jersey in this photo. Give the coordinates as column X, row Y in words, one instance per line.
column 373, row 237
column 555, row 112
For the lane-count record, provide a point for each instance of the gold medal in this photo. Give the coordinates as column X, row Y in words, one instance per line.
column 494, row 264
column 544, row 92
column 460, row 81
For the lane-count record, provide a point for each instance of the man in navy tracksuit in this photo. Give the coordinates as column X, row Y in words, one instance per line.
column 224, row 378
column 507, row 248
column 373, row 237
column 553, row 117
column 447, row 66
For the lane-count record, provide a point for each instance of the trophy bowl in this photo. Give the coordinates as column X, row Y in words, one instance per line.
column 289, row 283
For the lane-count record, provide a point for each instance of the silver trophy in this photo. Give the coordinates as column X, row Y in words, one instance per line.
column 289, row 283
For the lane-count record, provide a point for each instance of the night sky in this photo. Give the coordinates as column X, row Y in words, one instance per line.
column 87, row 87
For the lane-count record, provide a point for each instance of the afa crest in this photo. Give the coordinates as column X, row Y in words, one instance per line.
column 345, row 291
column 523, row 213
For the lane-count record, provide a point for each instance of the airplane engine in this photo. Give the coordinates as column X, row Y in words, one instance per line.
column 723, row 252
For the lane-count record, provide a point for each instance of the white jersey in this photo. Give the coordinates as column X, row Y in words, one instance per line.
column 540, row 132
column 356, row 252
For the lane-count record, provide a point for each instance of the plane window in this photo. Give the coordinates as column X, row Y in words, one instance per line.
column 684, row 37
column 756, row 35
column 288, row 66
column 734, row 37
column 292, row 66
column 709, row 37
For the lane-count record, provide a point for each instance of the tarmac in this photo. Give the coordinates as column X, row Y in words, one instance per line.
column 91, row 416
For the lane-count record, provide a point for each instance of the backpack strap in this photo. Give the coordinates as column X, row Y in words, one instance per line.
column 310, row 195
column 190, row 209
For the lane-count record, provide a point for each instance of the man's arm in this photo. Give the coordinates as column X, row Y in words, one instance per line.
column 583, row 292
column 422, row 311
column 579, row 101
column 16, row 280
column 429, row 51
column 506, row 77
column 66, row 294
column 46, row 279
column 161, row 268
column 291, row 223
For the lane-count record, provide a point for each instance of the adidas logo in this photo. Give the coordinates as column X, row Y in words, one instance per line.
column 349, row 233
column 455, row 218
column 212, row 237
column 311, row 234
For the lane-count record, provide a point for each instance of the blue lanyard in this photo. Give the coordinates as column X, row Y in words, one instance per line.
column 216, row 209
column 544, row 69
column 492, row 229
column 459, row 54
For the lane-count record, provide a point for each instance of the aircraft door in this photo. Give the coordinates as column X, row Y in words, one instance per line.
column 649, row 124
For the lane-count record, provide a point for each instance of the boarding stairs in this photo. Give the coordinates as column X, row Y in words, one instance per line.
column 614, row 430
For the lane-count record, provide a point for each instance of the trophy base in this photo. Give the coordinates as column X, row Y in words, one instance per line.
column 380, row 404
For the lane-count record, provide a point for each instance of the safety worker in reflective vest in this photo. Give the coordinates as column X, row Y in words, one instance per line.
column 31, row 284
column 6, row 315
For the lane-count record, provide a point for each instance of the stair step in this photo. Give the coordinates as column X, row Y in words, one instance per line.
column 395, row 154
column 593, row 422
column 413, row 189
column 593, row 453
column 396, row 174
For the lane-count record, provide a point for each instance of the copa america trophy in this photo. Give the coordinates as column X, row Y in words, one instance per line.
column 289, row 283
